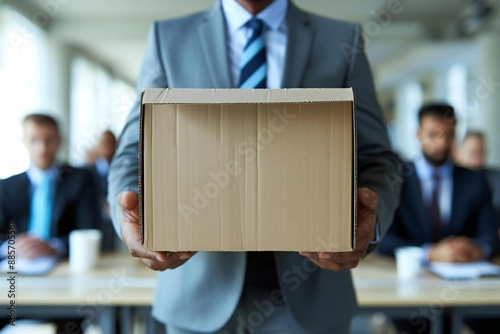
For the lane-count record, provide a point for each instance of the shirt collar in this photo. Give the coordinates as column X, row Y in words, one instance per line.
column 102, row 166
column 237, row 16
column 426, row 171
column 36, row 175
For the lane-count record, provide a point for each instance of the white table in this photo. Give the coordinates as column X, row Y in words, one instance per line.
column 123, row 285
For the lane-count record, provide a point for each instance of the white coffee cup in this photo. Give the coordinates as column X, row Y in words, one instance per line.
column 84, row 249
column 409, row 261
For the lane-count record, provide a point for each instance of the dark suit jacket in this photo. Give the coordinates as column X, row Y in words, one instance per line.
column 471, row 213
column 493, row 177
column 75, row 203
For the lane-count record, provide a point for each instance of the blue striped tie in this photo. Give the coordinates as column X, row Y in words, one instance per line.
column 253, row 61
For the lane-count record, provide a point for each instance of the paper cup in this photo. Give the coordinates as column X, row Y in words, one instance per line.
column 409, row 261
column 84, row 249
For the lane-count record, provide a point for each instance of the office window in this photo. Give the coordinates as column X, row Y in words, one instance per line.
column 22, row 61
column 124, row 96
column 458, row 97
column 475, row 91
column 99, row 102
column 409, row 98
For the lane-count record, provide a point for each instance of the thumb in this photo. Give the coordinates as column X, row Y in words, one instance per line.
column 127, row 200
column 367, row 199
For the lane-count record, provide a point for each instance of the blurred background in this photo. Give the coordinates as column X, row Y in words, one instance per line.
column 78, row 60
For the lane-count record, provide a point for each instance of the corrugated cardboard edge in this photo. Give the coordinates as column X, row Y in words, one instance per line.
column 141, row 170
column 354, row 172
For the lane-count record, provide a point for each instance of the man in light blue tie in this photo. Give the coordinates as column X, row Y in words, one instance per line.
column 47, row 201
column 258, row 44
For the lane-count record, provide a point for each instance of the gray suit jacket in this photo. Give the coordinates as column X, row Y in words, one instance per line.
column 191, row 52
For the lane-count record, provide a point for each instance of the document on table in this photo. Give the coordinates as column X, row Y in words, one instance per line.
column 38, row 266
column 25, row 326
column 471, row 270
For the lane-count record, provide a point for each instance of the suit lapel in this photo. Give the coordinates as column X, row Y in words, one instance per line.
column 457, row 216
column 212, row 35
column 25, row 203
column 300, row 38
column 59, row 198
column 213, row 43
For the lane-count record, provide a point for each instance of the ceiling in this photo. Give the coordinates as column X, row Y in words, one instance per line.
column 114, row 31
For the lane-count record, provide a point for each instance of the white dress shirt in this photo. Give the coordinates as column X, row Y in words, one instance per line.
column 36, row 175
column 275, row 38
column 102, row 166
column 425, row 172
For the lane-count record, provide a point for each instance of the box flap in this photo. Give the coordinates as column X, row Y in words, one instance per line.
column 222, row 96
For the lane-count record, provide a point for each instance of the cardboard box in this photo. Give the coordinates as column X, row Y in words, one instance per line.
column 248, row 170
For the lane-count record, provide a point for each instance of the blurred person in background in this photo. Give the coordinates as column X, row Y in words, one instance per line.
column 444, row 208
column 471, row 153
column 90, row 157
column 102, row 156
column 50, row 199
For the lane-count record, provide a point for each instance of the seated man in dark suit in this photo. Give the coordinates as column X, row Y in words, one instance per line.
column 471, row 154
column 47, row 201
column 445, row 209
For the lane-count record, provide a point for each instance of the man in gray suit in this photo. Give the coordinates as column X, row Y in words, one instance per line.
column 259, row 44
